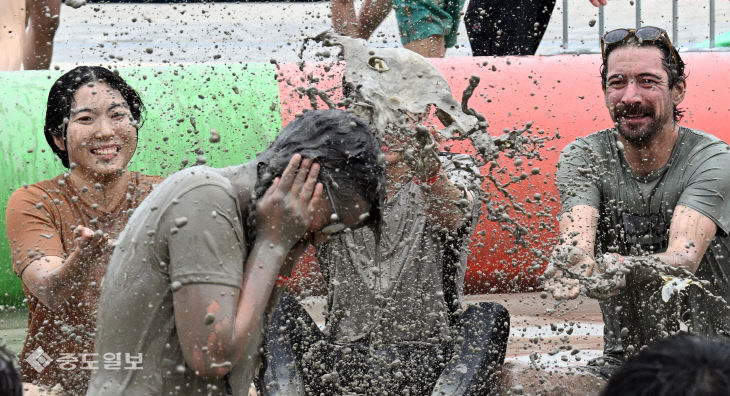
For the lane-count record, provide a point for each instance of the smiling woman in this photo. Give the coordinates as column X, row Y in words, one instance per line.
column 61, row 230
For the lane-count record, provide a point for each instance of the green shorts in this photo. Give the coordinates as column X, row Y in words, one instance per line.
column 420, row 19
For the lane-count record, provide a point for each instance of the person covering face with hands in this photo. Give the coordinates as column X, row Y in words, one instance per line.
column 195, row 270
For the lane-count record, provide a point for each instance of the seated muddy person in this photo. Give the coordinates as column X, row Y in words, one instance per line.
column 61, row 230
column 681, row 365
column 394, row 320
column 192, row 276
column 644, row 223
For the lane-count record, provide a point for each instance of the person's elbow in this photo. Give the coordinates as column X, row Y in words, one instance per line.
column 211, row 365
column 210, row 371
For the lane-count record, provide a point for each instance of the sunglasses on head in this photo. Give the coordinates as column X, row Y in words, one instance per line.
column 644, row 34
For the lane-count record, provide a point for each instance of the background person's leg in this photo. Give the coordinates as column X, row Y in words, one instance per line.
column 430, row 47
column 12, row 32
column 289, row 333
column 43, row 19
column 372, row 14
column 483, row 331
column 422, row 25
column 507, row 27
column 344, row 19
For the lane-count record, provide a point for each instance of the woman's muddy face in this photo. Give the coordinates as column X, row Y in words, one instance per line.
column 101, row 135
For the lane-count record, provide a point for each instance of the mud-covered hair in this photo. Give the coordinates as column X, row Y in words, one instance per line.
column 685, row 364
column 344, row 147
column 61, row 97
column 675, row 72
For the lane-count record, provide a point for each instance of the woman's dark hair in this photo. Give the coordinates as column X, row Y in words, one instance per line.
column 61, row 97
column 10, row 383
column 345, row 149
column 685, row 365
column 675, row 72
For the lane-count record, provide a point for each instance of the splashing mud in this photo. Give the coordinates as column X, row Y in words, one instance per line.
column 394, row 88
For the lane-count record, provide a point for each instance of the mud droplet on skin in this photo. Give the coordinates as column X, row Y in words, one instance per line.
column 181, row 221
column 175, row 286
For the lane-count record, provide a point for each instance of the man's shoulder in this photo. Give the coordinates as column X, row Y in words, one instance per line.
column 596, row 139
column 597, row 145
column 701, row 140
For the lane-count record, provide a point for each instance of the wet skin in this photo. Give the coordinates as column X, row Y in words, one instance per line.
column 638, row 96
column 101, row 135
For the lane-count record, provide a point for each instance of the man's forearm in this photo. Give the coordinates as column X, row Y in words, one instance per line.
column 649, row 268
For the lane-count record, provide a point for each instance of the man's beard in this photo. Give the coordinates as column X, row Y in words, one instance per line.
column 640, row 136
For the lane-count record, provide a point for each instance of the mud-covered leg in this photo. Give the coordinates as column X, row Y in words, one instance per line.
column 479, row 351
column 288, row 335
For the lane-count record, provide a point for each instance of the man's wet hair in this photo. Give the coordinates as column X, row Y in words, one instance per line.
column 10, row 383
column 686, row 365
column 61, row 97
column 675, row 71
column 345, row 148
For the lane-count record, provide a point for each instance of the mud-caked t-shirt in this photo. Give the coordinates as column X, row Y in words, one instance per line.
column 394, row 292
column 635, row 215
column 190, row 230
column 41, row 219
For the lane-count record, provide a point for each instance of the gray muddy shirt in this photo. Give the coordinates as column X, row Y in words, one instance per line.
column 398, row 297
column 188, row 231
column 635, row 214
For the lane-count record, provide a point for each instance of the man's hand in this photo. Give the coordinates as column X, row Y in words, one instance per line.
column 572, row 269
column 577, row 261
column 284, row 213
column 609, row 277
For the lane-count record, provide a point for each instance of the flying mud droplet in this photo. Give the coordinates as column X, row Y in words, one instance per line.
column 209, row 318
column 215, row 137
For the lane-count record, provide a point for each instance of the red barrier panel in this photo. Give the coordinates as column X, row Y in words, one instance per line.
column 558, row 95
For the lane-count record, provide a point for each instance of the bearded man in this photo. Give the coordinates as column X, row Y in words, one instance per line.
column 645, row 214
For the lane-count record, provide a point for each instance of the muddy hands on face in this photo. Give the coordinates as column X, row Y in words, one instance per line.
column 287, row 208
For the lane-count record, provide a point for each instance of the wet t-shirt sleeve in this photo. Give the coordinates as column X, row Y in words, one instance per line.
column 204, row 237
column 577, row 176
column 708, row 186
column 31, row 227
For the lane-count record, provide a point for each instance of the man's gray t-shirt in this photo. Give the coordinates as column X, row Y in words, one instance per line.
column 190, row 230
column 635, row 215
column 395, row 293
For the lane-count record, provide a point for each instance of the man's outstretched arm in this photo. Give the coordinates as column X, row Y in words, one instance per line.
column 578, row 228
